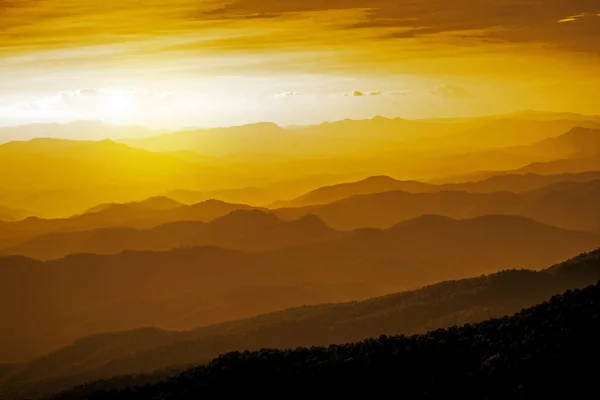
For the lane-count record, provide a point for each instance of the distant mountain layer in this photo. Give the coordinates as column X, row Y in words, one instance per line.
column 49, row 304
column 576, row 149
column 541, row 352
column 251, row 230
column 11, row 214
column 516, row 183
column 77, row 130
column 153, row 203
column 441, row 305
column 579, row 142
column 60, row 177
column 567, row 200
column 568, row 207
column 348, row 136
column 145, row 214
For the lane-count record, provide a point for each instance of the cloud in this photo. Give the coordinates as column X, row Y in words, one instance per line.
column 398, row 93
column 354, row 93
column 358, row 93
column 450, row 91
column 573, row 18
column 289, row 94
column 521, row 21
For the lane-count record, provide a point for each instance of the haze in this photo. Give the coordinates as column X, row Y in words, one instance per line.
column 205, row 63
column 235, row 198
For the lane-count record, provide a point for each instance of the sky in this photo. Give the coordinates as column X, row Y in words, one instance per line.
column 183, row 63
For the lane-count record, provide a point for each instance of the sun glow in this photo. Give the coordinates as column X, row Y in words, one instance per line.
column 119, row 105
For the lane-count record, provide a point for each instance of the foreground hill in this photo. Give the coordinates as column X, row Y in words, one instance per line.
column 46, row 305
column 440, row 305
column 49, row 304
column 251, row 230
column 515, row 183
column 562, row 207
column 541, row 352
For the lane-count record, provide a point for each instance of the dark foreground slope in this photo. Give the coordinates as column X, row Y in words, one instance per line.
column 436, row 306
column 546, row 351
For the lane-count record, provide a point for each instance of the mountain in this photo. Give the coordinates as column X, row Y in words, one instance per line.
column 76, row 130
column 567, row 204
column 541, row 352
column 250, row 195
column 373, row 184
column 508, row 131
column 250, row 230
column 553, row 116
column 49, row 304
column 383, row 210
column 86, row 173
column 437, row 306
column 46, row 305
column 519, row 183
column 145, row 214
column 11, row 214
column 574, row 165
column 561, row 166
column 57, row 177
column 218, row 141
column 348, row 136
column 400, row 257
column 154, row 203
column 577, row 143
column 378, row 184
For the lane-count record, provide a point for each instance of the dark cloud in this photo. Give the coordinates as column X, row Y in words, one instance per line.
column 521, row 21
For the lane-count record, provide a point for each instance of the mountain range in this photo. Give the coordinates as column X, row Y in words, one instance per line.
column 48, row 304
column 567, row 208
column 436, row 306
column 516, row 183
column 539, row 351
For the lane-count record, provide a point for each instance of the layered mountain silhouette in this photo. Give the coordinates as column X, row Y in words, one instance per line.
column 48, row 304
column 145, row 214
column 134, row 258
column 401, row 255
column 436, row 306
column 382, row 210
column 348, row 136
column 251, row 230
column 378, row 184
column 76, row 130
column 11, row 214
column 542, row 351
column 58, row 177
column 154, row 203
column 250, row 195
column 579, row 142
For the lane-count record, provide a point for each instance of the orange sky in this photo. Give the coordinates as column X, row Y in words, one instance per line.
column 184, row 62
